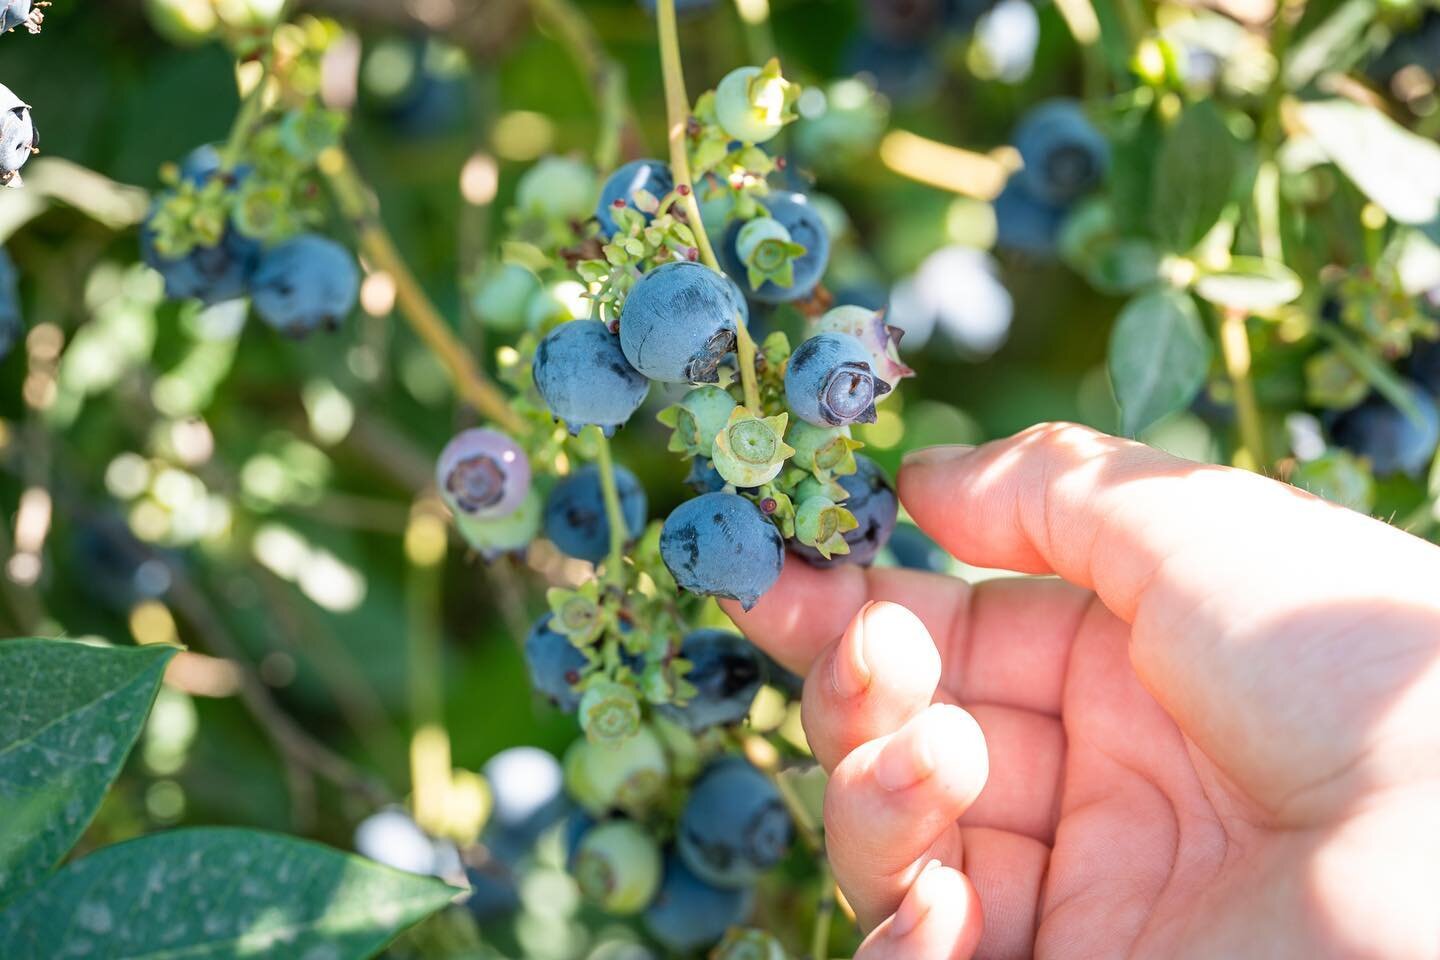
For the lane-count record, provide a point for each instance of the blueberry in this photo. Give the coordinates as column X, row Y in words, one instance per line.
column 689, row 914
column 903, row 71
column 483, row 473
column 584, row 378
column 1423, row 366
column 721, row 545
column 526, row 787
column 555, row 665
column 20, row 13
column 504, row 296
column 557, row 188
column 307, row 283
column 1065, row 156
column 882, row 339
column 393, row 838
column 678, row 323
column 681, row 6
column 575, row 519
column 1387, row 437
column 703, row 477
column 652, row 176
column 830, row 381
column 753, row 103
column 804, row 227
column 18, row 138
column 209, row 274
column 12, row 325
column 617, row 866
column 493, row 892
column 512, row 533
column 734, row 826
column 912, row 549
column 873, row 503
column 726, row 671
column 632, row 775
column 1025, row 224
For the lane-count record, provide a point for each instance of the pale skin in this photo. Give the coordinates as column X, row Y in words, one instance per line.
column 1213, row 732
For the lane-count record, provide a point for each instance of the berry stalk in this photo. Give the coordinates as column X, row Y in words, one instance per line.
column 1235, row 347
column 353, row 197
column 614, row 515
column 252, row 107
column 677, row 116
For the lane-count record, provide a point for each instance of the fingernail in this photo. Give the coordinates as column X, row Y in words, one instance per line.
column 915, row 905
column 906, row 760
column 935, row 456
column 849, row 673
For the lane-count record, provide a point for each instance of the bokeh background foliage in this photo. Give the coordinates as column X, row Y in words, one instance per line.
column 172, row 475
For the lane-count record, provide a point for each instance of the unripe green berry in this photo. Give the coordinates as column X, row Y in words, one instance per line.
column 617, row 867
column 697, row 419
column 609, row 713
column 753, row 103
column 629, row 775
column 750, row 451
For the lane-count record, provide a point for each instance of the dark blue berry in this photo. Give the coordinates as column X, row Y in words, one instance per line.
column 307, row 283
column 1065, row 156
column 872, row 500
column 805, row 226
column 678, row 323
column 652, row 176
column 1387, row 437
column 210, row 274
column 703, row 477
column 721, row 545
column 584, row 378
column 493, row 892
column 913, row 550
column 575, row 519
column 555, row 665
column 830, row 381
column 689, row 914
column 12, row 325
column 726, row 671
column 734, row 826
column 1025, row 224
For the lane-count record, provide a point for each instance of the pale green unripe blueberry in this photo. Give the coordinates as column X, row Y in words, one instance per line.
column 753, row 103
column 824, row 449
column 750, row 450
column 509, row 533
column 503, row 300
column 629, row 775
column 821, row 523
column 558, row 188
column 748, row 945
column 698, row 419
column 617, row 867
column 609, row 713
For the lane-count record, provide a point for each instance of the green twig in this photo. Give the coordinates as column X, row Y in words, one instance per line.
column 614, row 515
column 824, row 912
column 1235, row 348
column 252, row 107
column 677, row 117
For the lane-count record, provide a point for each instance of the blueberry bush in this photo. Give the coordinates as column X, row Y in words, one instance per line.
column 391, row 624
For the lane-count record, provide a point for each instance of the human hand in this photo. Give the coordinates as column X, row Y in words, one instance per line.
column 1219, row 738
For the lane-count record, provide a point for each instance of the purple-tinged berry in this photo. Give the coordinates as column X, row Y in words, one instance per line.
column 721, row 545
column 689, row 914
column 734, row 826
column 584, row 378
column 830, row 381
column 555, row 665
column 622, row 186
column 305, row 284
column 483, row 473
column 880, row 338
column 575, row 518
column 873, row 503
column 679, row 322
column 726, row 672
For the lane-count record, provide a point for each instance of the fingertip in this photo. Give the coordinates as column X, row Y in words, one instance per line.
column 939, row 918
column 941, row 750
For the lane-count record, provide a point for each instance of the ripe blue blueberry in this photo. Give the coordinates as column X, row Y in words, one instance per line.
column 873, row 503
column 734, row 826
column 1387, row 437
column 584, row 378
column 689, row 914
column 1065, row 156
column 18, row 137
column 493, row 894
column 11, row 322
column 575, row 519
column 652, row 176
column 1024, row 223
column 912, row 549
column 830, row 381
column 726, row 671
column 555, row 665
column 804, row 228
column 721, row 545
column 678, row 323
column 703, row 477
column 307, row 283
column 483, row 473
column 209, row 274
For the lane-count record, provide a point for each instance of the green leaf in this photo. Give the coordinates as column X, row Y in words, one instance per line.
column 72, row 712
column 1334, row 45
column 218, row 892
column 1159, row 356
column 1195, row 177
column 1395, row 168
column 1250, row 283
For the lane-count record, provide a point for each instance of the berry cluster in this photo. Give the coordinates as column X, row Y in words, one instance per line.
column 619, row 296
